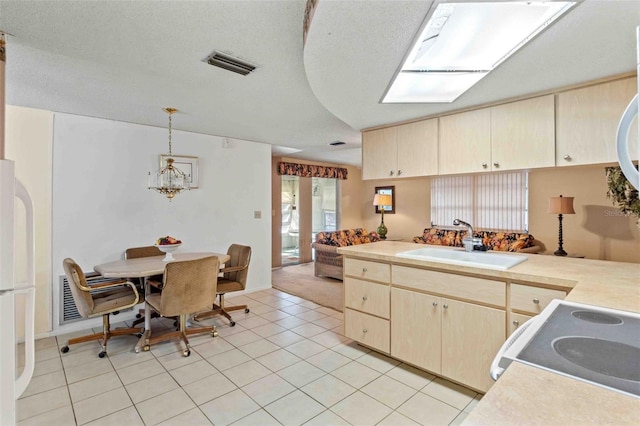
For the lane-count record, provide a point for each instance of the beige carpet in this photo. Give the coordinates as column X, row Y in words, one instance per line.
column 300, row 281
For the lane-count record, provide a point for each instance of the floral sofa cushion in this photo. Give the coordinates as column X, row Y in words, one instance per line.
column 346, row 237
column 491, row 240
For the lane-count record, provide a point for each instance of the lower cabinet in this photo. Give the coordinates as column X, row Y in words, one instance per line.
column 471, row 338
column 367, row 329
column 448, row 337
column 416, row 328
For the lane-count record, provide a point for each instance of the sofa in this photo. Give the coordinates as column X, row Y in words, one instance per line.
column 491, row 240
column 328, row 262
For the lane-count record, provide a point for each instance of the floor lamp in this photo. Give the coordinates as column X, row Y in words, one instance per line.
column 380, row 201
column 560, row 205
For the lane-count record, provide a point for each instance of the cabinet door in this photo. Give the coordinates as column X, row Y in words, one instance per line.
column 471, row 337
column 379, row 154
column 516, row 320
column 523, row 134
column 587, row 121
column 465, row 142
column 416, row 328
column 418, row 148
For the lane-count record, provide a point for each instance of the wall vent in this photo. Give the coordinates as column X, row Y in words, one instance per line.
column 229, row 63
column 68, row 311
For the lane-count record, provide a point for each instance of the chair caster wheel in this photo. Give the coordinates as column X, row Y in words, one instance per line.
column 64, row 349
column 138, row 316
column 214, row 334
column 186, row 353
column 232, row 323
column 145, row 348
column 102, row 354
column 246, row 311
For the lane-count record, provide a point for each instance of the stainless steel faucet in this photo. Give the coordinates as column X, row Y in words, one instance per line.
column 469, row 241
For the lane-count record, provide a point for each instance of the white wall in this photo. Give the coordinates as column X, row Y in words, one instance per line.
column 101, row 204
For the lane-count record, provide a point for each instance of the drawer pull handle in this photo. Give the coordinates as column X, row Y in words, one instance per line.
column 567, row 157
column 496, row 164
column 484, row 165
column 390, row 172
column 516, row 323
column 364, row 298
column 434, row 304
column 536, row 301
column 364, row 269
column 364, row 330
column 399, row 172
column 445, row 306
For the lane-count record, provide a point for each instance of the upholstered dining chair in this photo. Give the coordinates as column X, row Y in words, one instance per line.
column 187, row 287
column 134, row 253
column 100, row 299
column 234, row 278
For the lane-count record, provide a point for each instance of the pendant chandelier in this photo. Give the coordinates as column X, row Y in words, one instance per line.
column 169, row 180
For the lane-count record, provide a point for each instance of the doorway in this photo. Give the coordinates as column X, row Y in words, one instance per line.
column 312, row 203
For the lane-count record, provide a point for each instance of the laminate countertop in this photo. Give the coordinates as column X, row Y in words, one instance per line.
column 529, row 395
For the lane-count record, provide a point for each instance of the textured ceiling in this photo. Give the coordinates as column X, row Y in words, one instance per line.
column 126, row 60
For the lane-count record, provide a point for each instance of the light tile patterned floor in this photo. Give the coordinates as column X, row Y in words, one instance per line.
column 287, row 362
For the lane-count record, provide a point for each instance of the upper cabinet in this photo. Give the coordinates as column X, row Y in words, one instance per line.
column 587, row 122
column 517, row 135
column 523, row 134
column 572, row 127
column 465, row 142
column 407, row 150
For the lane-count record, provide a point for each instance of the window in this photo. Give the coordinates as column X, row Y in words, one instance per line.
column 497, row 201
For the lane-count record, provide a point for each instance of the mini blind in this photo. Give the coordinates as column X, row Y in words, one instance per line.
column 495, row 201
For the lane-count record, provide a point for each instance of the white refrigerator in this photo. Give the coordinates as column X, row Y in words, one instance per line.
column 12, row 384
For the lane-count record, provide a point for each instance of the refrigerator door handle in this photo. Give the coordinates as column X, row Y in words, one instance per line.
column 29, row 323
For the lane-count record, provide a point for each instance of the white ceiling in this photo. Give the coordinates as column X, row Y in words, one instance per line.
column 126, row 60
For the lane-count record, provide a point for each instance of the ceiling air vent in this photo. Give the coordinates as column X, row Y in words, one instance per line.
column 337, row 143
column 229, row 63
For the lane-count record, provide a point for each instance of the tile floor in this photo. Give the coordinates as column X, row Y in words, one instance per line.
column 287, row 362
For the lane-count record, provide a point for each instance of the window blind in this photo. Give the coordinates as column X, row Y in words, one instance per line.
column 495, row 201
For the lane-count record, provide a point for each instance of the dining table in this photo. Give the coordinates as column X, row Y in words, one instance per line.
column 144, row 267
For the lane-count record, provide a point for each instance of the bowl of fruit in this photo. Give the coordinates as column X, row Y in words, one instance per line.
column 168, row 245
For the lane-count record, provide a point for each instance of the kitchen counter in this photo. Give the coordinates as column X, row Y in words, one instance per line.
column 528, row 395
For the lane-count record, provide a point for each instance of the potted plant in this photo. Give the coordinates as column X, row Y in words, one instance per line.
column 622, row 193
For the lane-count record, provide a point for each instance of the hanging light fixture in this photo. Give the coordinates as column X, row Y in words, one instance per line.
column 169, row 180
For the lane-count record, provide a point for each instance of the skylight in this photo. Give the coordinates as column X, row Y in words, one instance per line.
column 463, row 42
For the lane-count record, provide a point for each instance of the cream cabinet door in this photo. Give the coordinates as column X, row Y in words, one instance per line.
column 471, row 337
column 379, row 154
column 418, row 148
column 523, row 134
column 465, row 142
column 416, row 328
column 587, row 121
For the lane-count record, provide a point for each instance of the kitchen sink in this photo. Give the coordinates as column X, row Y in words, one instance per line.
column 460, row 257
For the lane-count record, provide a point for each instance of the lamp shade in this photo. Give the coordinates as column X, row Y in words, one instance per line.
column 561, row 205
column 382, row 200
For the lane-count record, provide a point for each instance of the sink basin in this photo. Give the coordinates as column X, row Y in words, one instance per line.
column 464, row 258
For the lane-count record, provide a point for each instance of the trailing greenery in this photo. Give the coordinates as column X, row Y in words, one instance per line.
column 622, row 193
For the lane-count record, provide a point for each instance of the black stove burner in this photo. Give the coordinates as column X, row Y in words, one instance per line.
column 597, row 317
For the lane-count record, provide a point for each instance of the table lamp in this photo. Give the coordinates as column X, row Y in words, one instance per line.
column 560, row 205
column 382, row 200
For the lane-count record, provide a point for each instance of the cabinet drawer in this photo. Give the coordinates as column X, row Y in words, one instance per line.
column 516, row 320
column 367, row 297
column 365, row 269
column 367, row 329
column 460, row 286
column 533, row 299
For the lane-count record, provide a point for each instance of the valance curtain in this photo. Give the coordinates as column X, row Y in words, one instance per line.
column 311, row 170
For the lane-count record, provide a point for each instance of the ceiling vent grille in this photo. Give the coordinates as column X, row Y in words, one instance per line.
column 230, row 63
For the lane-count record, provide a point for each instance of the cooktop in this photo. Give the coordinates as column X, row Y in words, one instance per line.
column 590, row 343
